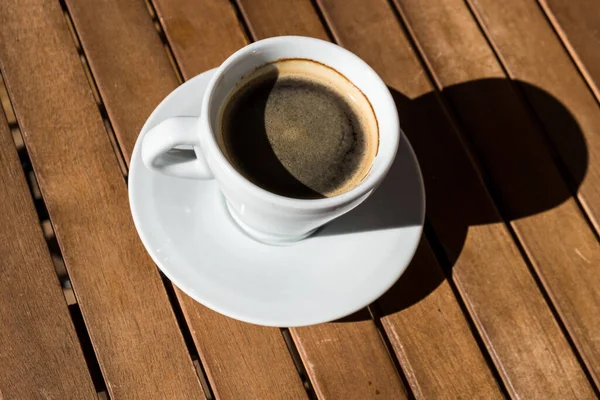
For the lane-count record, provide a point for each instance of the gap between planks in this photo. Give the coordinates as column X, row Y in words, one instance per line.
column 53, row 248
column 569, row 49
column 94, row 88
column 38, row 201
column 300, row 368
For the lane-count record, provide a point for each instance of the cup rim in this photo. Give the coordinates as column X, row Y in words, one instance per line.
column 369, row 183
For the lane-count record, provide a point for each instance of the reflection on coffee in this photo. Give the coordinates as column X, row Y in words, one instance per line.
column 299, row 129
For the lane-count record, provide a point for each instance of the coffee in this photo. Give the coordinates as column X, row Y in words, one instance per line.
column 299, row 129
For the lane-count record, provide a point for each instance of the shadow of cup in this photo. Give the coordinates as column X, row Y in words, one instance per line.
column 508, row 140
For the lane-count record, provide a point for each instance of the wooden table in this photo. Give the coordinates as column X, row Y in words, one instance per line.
column 500, row 100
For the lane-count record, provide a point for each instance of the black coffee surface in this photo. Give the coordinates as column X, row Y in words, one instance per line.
column 295, row 136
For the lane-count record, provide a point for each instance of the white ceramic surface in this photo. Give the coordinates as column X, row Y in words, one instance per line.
column 268, row 217
column 345, row 266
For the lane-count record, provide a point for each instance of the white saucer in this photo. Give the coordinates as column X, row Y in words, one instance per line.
column 345, row 266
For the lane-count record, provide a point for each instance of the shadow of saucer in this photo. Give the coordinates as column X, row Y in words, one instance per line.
column 510, row 146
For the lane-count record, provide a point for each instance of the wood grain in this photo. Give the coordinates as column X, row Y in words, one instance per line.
column 502, row 297
column 578, row 24
column 201, row 33
column 348, row 360
column 120, row 40
column 126, row 309
column 241, row 360
column 539, row 59
column 6, row 106
column 556, row 236
column 331, row 352
column 266, row 18
column 40, row 354
column 431, row 337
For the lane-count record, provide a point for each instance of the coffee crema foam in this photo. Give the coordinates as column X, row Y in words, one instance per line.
column 300, row 129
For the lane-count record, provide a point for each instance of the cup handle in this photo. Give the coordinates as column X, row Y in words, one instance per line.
column 159, row 152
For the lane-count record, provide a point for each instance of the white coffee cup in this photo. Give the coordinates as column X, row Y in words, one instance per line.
column 265, row 216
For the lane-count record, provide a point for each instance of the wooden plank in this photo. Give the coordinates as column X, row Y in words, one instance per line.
column 556, row 236
column 201, row 33
column 431, row 337
column 266, row 18
column 120, row 40
column 127, row 312
column 137, row 60
column 513, row 319
column 242, row 360
column 348, row 360
column 538, row 61
column 578, row 25
column 39, row 351
column 332, row 352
